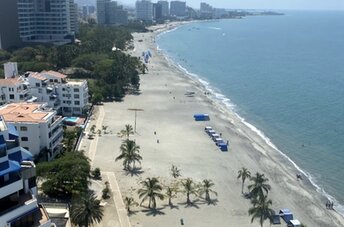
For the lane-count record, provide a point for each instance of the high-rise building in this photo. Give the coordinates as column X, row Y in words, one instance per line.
column 52, row 21
column 18, row 188
column 144, row 10
column 165, row 10
column 178, row 8
column 206, row 10
column 110, row 13
column 9, row 27
column 157, row 11
column 102, row 11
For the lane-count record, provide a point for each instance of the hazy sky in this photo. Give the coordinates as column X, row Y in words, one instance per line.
column 265, row 4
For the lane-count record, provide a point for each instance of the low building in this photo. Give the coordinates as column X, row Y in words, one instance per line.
column 18, row 188
column 14, row 90
column 40, row 130
column 68, row 97
column 71, row 96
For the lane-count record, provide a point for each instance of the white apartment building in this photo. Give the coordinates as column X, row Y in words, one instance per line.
column 144, row 10
column 52, row 21
column 40, row 130
column 14, row 90
column 71, row 96
column 68, row 97
column 18, row 188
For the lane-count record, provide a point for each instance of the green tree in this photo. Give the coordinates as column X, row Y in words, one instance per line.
column 127, row 131
column 86, row 210
column 129, row 202
column 151, row 189
column 206, row 188
column 65, row 176
column 259, row 186
column 171, row 192
column 130, row 154
column 262, row 210
column 243, row 174
column 189, row 188
column 106, row 191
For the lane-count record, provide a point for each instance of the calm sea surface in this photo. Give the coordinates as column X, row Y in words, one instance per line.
column 284, row 75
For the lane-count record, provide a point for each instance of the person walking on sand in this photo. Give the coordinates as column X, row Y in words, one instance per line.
column 327, row 204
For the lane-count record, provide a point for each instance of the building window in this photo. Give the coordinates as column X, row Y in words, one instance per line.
column 76, row 89
column 63, row 89
column 11, row 96
column 37, row 85
column 56, row 81
column 24, row 138
column 76, row 96
column 23, row 128
column 51, row 80
column 26, row 148
column 77, row 102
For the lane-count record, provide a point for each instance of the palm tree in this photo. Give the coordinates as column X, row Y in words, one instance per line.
column 243, row 174
column 262, row 210
column 129, row 202
column 127, row 131
column 259, row 186
column 189, row 188
column 130, row 154
column 205, row 188
column 151, row 189
column 171, row 192
column 86, row 210
column 175, row 172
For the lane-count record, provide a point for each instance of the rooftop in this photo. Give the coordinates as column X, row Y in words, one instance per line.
column 37, row 76
column 55, row 74
column 24, row 112
column 11, row 81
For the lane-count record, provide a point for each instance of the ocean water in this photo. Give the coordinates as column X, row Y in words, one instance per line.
column 282, row 74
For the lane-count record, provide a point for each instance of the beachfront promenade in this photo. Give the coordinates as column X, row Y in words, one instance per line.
column 183, row 142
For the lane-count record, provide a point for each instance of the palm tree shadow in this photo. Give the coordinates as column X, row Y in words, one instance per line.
column 132, row 212
column 211, row 202
column 136, row 171
column 153, row 212
column 172, row 206
column 191, row 204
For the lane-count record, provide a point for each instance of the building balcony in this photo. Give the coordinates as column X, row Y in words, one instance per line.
column 11, row 186
column 15, row 206
column 57, row 120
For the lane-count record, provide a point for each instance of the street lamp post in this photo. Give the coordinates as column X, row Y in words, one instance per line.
column 135, row 110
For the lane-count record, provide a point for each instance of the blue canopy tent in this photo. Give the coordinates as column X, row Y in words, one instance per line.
column 286, row 215
column 223, row 146
column 201, row 117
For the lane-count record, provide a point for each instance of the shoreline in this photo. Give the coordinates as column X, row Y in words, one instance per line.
column 216, row 102
column 203, row 85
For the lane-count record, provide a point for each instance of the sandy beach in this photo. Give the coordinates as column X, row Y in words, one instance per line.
column 183, row 143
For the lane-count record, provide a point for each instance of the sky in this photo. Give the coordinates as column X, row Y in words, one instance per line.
column 264, row 4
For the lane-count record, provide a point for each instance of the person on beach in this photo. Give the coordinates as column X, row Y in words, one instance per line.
column 327, row 204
